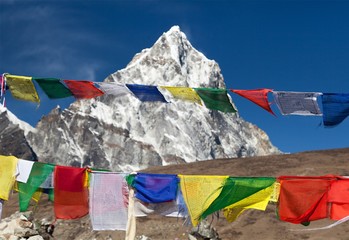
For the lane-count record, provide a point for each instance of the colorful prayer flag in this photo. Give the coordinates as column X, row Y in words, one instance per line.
column 216, row 99
column 155, row 188
column 241, row 193
column 108, row 201
column 8, row 165
column 83, row 89
column 199, row 192
column 257, row 96
column 335, row 107
column 146, row 93
column 114, row 88
column 338, row 196
column 22, row 88
column 184, row 93
column 38, row 174
column 24, row 168
column 71, row 193
column 53, row 87
column 297, row 103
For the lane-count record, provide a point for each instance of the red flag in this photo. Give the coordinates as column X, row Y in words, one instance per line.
column 257, row 96
column 339, row 199
column 83, row 89
column 304, row 199
column 70, row 192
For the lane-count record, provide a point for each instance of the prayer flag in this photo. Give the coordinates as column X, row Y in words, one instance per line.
column 114, row 88
column 297, row 103
column 257, row 96
column 303, row 199
column 199, row 192
column 39, row 173
column 8, row 166
column 53, row 87
column 338, row 196
column 184, row 93
column 22, row 88
column 108, row 201
column 216, row 99
column 83, row 89
column 71, row 193
column 335, row 107
column 24, row 168
column 146, row 93
column 240, row 193
column 155, row 188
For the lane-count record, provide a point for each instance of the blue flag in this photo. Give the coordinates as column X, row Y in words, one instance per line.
column 155, row 188
column 146, row 93
column 335, row 108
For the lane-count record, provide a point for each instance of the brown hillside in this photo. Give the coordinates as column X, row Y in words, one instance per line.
column 252, row 224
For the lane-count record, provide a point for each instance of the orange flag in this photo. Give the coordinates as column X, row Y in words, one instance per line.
column 257, row 96
column 70, row 192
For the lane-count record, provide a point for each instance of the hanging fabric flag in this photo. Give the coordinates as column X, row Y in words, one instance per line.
column 53, row 87
column 184, row 93
column 2, row 90
column 241, row 193
column 131, row 221
column 83, row 89
column 199, row 192
column 22, row 88
column 1, row 202
column 71, row 193
column 338, row 196
column 155, row 188
column 216, row 99
column 8, row 165
column 113, row 88
column 257, row 96
column 303, row 199
column 297, row 103
column 38, row 174
column 146, row 93
column 24, row 168
column 335, row 107
column 108, row 201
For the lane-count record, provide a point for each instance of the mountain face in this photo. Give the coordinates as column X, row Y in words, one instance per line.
column 124, row 134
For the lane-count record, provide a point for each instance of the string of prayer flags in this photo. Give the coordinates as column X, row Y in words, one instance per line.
column 257, row 96
column 108, row 201
column 199, row 192
column 297, row 103
column 83, row 89
column 303, row 199
column 24, row 168
column 239, row 194
column 114, row 88
column 53, row 88
column 184, row 93
column 335, row 107
column 22, row 88
column 31, row 189
column 216, row 99
column 155, row 188
column 8, row 165
column 71, row 193
column 146, row 93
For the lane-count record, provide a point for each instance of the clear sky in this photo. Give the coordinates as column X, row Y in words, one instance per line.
column 282, row 45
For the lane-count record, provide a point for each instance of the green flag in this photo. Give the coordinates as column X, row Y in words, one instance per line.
column 38, row 175
column 215, row 99
column 236, row 189
column 53, row 87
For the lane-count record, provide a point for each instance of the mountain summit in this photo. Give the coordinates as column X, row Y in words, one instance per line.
column 124, row 134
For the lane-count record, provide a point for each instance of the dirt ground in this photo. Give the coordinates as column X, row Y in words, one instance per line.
column 252, row 224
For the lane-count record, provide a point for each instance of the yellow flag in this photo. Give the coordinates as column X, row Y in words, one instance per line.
column 199, row 192
column 184, row 93
column 8, row 165
column 22, row 88
column 258, row 201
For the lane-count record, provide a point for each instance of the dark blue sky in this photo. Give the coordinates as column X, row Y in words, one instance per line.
column 282, row 45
